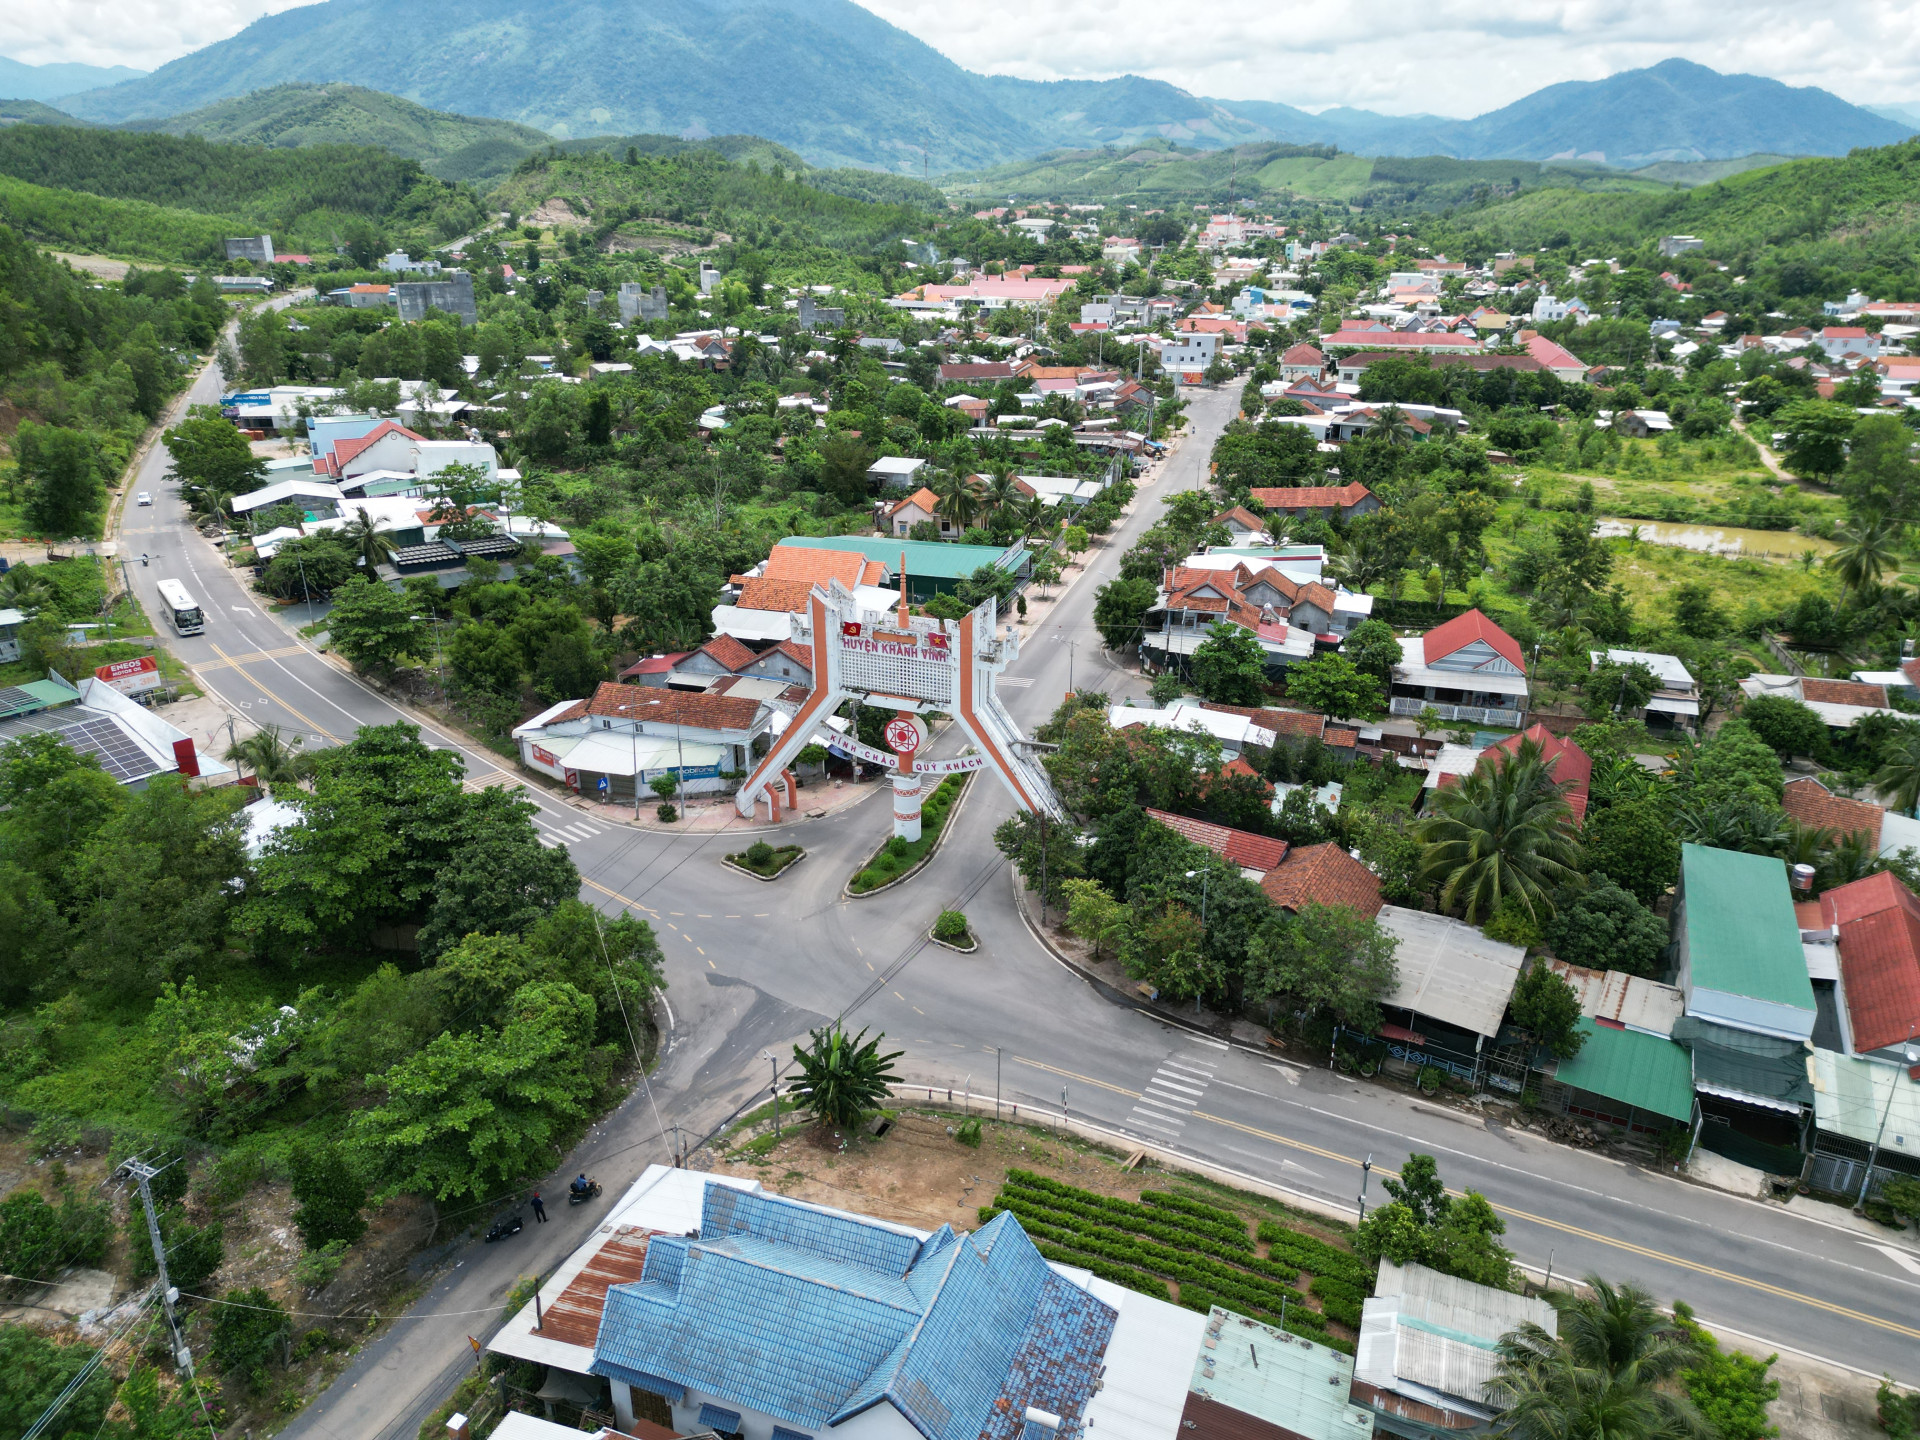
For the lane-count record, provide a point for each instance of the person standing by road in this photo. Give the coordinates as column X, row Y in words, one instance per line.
column 539, row 1209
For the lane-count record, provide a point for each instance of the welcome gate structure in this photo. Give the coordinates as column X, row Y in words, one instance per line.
column 912, row 665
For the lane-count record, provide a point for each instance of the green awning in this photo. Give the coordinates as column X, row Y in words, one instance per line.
column 1648, row 1072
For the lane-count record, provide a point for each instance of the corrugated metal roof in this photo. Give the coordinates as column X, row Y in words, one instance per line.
column 1647, row 1072
column 1637, row 1003
column 1437, row 1333
column 1742, row 936
column 574, row 1318
column 1451, row 970
column 1850, row 1095
column 1246, row 1369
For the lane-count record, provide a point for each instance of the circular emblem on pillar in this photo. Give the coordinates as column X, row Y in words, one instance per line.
column 904, row 735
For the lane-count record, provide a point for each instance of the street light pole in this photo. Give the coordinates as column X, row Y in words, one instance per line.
column 1366, row 1173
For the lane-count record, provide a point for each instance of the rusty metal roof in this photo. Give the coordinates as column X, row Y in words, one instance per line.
column 574, row 1318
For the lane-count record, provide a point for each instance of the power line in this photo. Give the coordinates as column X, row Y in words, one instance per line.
column 319, row 1315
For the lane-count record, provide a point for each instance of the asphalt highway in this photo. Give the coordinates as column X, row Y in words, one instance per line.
column 751, row 967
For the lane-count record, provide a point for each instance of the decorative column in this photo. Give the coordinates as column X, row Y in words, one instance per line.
column 905, row 735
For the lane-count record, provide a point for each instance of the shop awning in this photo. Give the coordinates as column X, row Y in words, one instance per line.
column 621, row 755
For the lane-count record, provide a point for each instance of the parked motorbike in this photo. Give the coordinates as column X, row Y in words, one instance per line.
column 580, row 1197
column 503, row 1227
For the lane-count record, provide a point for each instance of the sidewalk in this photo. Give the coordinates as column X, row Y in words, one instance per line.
column 709, row 815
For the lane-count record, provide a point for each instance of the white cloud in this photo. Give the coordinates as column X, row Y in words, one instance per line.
column 141, row 33
column 1448, row 57
column 1445, row 57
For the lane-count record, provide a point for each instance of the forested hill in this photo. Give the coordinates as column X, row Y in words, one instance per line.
column 318, row 192
column 454, row 147
column 1857, row 211
column 770, row 208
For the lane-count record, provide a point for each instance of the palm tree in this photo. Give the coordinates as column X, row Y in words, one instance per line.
column 1506, row 829
column 274, row 757
column 25, row 588
column 1735, row 825
column 1898, row 777
column 374, row 547
column 1003, row 489
column 960, row 498
column 843, row 1076
column 1390, row 424
column 1359, row 564
column 1854, row 858
column 1869, row 547
column 1607, row 1375
column 210, row 505
column 1032, row 516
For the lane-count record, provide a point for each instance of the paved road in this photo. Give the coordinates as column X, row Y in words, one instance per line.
column 751, row 967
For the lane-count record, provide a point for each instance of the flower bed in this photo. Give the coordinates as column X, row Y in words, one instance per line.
column 899, row 858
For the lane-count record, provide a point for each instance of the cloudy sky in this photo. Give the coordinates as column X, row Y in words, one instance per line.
column 1448, row 57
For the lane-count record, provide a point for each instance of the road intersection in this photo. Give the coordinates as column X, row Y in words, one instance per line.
column 752, row 967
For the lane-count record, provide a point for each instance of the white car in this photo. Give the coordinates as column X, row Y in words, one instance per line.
column 145, row 497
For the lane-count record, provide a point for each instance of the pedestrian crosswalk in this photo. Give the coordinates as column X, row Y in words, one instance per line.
column 554, row 836
column 1171, row 1095
column 492, row 780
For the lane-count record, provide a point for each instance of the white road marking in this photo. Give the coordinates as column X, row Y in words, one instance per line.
column 1899, row 1257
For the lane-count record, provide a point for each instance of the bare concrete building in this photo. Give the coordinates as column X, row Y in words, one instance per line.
column 638, row 303
column 257, row 248
column 453, row 293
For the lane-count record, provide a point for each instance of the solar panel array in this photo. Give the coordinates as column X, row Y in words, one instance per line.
column 14, row 697
column 119, row 755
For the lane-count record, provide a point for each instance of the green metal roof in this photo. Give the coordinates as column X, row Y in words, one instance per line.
column 1648, row 1072
column 930, row 558
column 36, row 695
column 1284, row 1380
column 1742, row 935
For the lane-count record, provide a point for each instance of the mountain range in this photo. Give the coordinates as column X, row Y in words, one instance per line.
column 841, row 86
column 19, row 81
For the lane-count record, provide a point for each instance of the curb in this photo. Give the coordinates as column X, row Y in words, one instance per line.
column 957, row 949
column 727, row 861
column 846, row 890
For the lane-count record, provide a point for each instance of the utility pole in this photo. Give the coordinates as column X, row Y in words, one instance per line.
column 1366, row 1174
column 142, row 1175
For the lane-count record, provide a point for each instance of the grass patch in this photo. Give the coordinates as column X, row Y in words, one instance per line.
column 898, row 857
column 766, row 860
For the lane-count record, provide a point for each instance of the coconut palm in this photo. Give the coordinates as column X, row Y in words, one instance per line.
column 25, row 588
column 1854, row 858
column 1740, row 825
column 1359, row 563
column 1609, row 1374
column 1869, row 547
column 1002, row 491
column 1504, row 830
column 960, row 498
column 1898, row 777
column 843, row 1076
column 274, row 756
column 1031, row 516
column 210, row 505
column 1390, row 424
column 374, row 547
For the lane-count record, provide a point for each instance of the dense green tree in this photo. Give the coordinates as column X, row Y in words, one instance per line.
column 1881, row 477
column 1606, row 928
column 1374, row 650
column 208, row 453
column 1785, row 725
column 1734, row 764
column 1546, row 1010
column 63, row 488
column 1332, row 683
column 497, row 877
column 1119, row 606
column 330, row 1193
column 39, row 1370
column 1327, row 960
column 1816, row 436
column 248, row 1334
column 476, row 1113
column 374, row 627
column 1634, row 844
column 1229, row 667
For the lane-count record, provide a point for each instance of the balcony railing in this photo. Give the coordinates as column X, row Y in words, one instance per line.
column 1473, row 714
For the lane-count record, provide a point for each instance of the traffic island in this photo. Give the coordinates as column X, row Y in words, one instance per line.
column 951, row 932
column 763, row 861
column 899, row 860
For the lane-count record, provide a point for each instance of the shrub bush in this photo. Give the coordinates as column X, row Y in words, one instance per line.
column 760, row 854
column 951, row 927
column 248, row 1334
column 667, row 813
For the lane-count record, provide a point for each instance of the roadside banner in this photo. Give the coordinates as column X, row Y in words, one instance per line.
column 131, row 677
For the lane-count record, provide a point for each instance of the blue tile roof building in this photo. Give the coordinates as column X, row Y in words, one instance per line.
column 812, row 1318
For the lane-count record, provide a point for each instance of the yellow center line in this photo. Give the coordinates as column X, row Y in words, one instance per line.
column 318, row 729
column 225, row 661
column 616, row 895
column 1083, row 1079
column 1627, row 1245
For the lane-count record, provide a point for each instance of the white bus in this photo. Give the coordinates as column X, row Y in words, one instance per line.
column 177, row 605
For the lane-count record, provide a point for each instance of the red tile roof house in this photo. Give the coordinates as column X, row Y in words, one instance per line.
column 1879, row 942
column 1302, row 362
column 1323, row 875
column 1254, row 854
column 922, row 505
column 1243, row 526
column 1302, row 500
column 626, row 732
column 1565, row 761
column 1467, row 669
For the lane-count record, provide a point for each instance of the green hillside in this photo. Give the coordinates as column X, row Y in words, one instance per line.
column 309, row 198
column 760, row 207
column 32, row 112
column 1162, row 173
column 126, row 229
column 453, row 147
column 1690, row 173
column 1855, row 213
